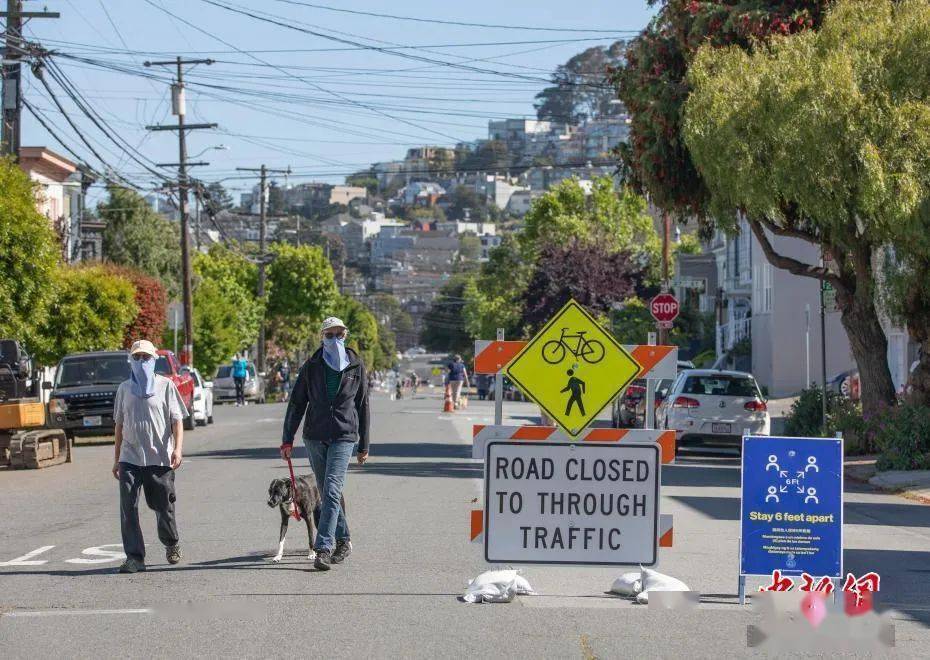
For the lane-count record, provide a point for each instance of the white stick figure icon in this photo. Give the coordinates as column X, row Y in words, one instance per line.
column 773, row 463
column 773, row 494
column 811, row 496
column 812, row 464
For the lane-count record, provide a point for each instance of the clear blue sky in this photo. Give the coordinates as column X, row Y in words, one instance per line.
column 322, row 106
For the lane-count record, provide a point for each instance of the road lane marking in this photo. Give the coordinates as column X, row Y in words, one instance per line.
column 38, row 613
column 102, row 556
column 27, row 559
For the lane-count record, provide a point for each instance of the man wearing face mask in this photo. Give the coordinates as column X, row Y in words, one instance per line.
column 149, row 413
column 331, row 396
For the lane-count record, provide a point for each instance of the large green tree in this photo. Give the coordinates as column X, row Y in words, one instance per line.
column 652, row 83
column 28, row 256
column 824, row 137
column 604, row 216
column 135, row 235
column 493, row 298
column 363, row 331
column 89, row 312
column 227, row 314
column 579, row 88
column 442, row 324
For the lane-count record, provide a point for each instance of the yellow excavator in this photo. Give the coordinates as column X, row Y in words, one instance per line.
column 24, row 440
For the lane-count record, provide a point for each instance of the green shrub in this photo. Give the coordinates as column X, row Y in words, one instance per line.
column 843, row 416
column 902, row 437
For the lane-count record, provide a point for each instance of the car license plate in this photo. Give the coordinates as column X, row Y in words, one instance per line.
column 93, row 420
column 720, row 428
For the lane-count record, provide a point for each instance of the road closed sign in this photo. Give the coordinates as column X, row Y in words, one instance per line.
column 553, row 503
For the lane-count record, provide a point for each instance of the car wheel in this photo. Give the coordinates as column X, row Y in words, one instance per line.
column 189, row 423
column 210, row 418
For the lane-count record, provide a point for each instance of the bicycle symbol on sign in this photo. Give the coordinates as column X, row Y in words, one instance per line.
column 589, row 350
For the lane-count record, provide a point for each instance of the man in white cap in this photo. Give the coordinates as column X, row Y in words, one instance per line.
column 149, row 413
column 331, row 396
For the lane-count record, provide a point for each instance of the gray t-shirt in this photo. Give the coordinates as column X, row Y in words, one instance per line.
column 147, row 438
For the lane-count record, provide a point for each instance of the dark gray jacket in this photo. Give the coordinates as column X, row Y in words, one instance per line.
column 344, row 419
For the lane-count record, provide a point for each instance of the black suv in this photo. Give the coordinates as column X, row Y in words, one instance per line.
column 81, row 401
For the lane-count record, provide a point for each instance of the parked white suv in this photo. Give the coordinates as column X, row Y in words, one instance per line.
column 203, row 399
column 709, row 406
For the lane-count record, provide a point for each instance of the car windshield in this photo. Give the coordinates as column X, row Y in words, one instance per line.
column 161, row 366
column 109, row 370
column 224, row 371
column 721, row 386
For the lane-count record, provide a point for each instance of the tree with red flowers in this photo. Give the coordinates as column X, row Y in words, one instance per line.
column 653, row 86
column 152, row 301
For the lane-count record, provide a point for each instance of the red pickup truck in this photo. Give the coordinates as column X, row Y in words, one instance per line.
column 169, row 366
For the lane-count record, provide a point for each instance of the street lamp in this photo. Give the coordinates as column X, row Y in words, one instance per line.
column 218, row 147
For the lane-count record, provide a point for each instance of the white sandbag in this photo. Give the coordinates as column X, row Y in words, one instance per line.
column 499, row 586
column 655, row 581
column 628, row 584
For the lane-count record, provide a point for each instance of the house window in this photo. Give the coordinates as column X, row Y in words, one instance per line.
column 762, row 290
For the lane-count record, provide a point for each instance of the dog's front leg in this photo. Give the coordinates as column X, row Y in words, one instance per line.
column 284, row 517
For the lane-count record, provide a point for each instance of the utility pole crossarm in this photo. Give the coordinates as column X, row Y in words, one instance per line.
column 179, row 127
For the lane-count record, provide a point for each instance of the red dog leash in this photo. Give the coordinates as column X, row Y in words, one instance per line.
column 290, row 469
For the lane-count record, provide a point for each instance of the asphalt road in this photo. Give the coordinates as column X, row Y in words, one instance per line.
column 397, row 593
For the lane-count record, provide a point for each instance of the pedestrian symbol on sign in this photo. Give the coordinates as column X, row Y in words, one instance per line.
column 576, row 385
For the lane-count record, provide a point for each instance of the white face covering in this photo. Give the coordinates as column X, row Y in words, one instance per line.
column 142, row 377
column 334, row 352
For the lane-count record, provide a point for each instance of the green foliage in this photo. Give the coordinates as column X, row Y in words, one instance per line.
column 90, row 311
column 224, row 293
column 845, row 108
column 443, row 330
column 688, row 244
column 572, row 98
column 363, row 331
column 653, row 86
column 618, row 221
column 137, row 236
column 393, row 320
column 28, row 256
column 364, row 179
column 302, row 282
column 633, row 322
column 902, row 437
column 217, row 332
column 493, row 296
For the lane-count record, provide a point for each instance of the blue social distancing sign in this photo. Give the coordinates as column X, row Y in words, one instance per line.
column 792, row 506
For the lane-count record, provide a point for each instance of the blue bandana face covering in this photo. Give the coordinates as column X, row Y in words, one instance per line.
column 142, row 377
column 334, row 352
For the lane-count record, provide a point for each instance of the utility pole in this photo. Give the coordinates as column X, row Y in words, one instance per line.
column 666, row 249
column 178, row 109
column 262, row 256
column 12, row 74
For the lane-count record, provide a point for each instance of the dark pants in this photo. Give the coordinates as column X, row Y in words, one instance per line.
column 240, row 389
column 158, row 484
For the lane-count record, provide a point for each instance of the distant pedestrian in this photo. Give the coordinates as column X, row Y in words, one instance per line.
column 457, row 377
column 240, row 369
column 331, row 396
column 148, row 412
column 482, row 383
column 284, row 373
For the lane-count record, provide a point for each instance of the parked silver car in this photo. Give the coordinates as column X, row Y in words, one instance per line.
column 224, row 387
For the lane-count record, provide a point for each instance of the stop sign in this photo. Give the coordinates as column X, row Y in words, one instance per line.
column 664, row 307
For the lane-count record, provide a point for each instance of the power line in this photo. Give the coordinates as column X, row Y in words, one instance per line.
column 316, row 86
column 450, row 22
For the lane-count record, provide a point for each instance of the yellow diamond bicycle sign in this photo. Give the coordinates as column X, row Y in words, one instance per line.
column 572, row 368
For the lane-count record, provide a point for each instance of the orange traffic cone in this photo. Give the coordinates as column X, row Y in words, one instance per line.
column 447, row 405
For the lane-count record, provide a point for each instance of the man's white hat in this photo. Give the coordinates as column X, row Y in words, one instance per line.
column 143, row 346
column 332, row 322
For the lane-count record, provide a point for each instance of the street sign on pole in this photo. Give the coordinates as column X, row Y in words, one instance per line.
column 792, row 506
column 572, row 368
column 664, row 308
column 550, row 503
